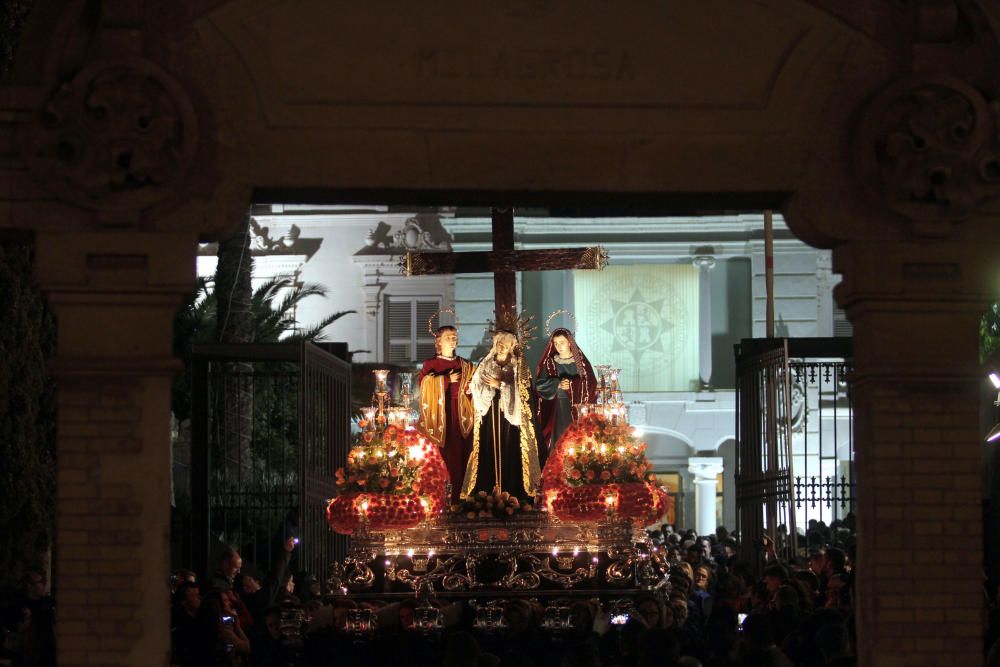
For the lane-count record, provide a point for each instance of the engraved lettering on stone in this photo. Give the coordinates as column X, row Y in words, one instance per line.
column 581, row 64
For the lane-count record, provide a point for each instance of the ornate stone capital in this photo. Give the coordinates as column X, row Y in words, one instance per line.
column 928, row 148
column 705, row 468
column 117, row 138
column 421, row 233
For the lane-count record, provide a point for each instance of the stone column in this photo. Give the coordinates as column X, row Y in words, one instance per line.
column 114, row 295
column 918, row 462
column 705, row 263
column 705, row 469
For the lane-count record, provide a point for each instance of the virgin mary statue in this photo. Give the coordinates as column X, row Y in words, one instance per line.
column 504, row 442
column 565, row 380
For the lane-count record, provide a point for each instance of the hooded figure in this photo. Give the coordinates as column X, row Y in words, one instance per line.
column 505, row 442
column 564, row 380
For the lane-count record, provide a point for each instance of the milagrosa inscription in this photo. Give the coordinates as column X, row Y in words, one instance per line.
column 525, row 64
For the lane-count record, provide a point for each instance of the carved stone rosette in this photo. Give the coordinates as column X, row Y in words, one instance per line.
column 929, row 148
column 118, row 137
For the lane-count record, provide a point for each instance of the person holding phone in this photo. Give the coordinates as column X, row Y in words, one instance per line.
column 259, row 593
column 232, row 644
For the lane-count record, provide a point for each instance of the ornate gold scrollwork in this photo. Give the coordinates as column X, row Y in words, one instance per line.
column 358, row 575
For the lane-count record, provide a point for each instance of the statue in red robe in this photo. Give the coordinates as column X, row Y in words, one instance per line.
column 564, row 380
column 447, row 415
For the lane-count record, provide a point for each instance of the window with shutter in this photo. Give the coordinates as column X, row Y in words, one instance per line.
column 423, row 339
column 407, row 338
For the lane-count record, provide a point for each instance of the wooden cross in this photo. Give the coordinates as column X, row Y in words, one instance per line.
column 503, row 261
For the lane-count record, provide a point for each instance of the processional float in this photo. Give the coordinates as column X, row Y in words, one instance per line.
column 583, row 537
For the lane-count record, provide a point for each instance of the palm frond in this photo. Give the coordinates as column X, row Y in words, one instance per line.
column 315, row 331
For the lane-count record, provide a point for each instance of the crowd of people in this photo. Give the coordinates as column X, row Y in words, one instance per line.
column 713, row 611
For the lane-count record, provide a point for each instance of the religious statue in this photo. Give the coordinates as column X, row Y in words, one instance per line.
column 565, row 379
column 504, row 444
column 446, row 411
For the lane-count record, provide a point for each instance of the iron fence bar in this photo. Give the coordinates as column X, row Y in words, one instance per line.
column 200, row 463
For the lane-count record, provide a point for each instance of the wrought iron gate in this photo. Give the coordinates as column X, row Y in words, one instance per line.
column 269, row 422
column 822, row 436
column 325, row 428
column 763, row 449
column 794, row 463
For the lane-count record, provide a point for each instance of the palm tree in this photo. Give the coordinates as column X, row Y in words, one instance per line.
column 273, row 307
column 272, row 319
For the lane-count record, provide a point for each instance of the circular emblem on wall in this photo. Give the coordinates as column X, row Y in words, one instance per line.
column 637, row 325
column 118, row 138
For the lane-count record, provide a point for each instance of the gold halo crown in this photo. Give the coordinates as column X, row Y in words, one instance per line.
column 431, row 329
column 518, row 323
column 548, row 320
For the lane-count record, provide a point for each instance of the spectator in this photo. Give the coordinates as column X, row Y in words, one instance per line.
column 260, row 594
column 307, row 588
column 31, row 621
column 190, row 632
column 775, row 576
column 651, row 611
column 270, row 648
column 834, row 646
column 230, row 564
column 759, row 649
column 657, row 648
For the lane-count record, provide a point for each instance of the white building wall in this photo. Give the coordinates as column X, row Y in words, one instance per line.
column 678, row 424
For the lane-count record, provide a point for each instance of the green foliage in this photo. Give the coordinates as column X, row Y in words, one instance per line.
column 273, row 307
column 27, row 414
column 989, row 332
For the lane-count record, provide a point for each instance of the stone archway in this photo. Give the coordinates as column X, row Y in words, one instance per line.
column 129, row 135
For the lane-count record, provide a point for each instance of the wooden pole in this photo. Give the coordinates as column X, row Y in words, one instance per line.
column 769, row 270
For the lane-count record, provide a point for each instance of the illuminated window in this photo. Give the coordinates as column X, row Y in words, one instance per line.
column 407, row 339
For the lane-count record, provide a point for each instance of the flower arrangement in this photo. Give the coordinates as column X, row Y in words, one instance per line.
column 385, row 462
column 395, row 478
column 599, row 468
column 598, row 450
column 498, row 504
